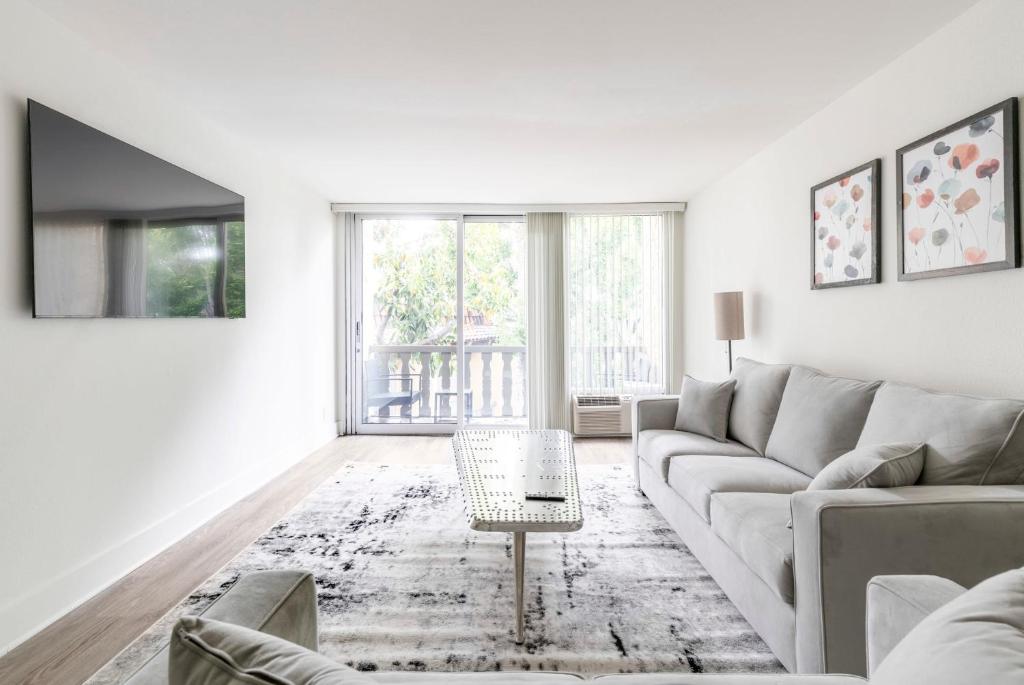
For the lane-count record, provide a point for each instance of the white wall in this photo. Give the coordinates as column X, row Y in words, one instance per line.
column 750, row 231
column 118, row 437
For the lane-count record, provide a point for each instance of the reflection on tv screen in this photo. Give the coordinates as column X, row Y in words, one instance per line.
column 118, row 232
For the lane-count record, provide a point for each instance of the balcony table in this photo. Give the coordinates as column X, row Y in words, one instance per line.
column 447, row 395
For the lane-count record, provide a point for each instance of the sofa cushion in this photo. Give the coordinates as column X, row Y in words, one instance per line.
column 753, row 524
column 755, row 401
column 697, row 477
column 214, row 653
column 976, row 638
column 971, row 440
column 873, row 466
column 704, row 407
column 820, row 418
column 657, row 447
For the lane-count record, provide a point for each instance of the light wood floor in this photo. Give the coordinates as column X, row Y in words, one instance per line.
column 76, row 646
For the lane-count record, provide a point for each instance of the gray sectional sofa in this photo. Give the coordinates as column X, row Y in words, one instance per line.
column 803, row 587
column 921, row 630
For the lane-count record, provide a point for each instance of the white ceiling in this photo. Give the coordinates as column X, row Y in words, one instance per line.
column 507, row 100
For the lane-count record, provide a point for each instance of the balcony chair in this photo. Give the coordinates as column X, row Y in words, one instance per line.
column 381, row 391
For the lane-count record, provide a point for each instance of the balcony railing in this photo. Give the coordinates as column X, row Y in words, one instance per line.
column 495, row 383
column 423, row 379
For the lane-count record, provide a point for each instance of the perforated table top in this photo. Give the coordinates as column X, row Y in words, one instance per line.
column 494, row 466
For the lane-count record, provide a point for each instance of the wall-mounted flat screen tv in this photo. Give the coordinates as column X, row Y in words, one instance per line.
column 117, row 232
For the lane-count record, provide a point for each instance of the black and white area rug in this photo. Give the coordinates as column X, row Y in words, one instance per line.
column 404, row 584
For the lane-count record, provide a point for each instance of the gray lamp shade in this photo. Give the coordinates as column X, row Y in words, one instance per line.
column 729, row 316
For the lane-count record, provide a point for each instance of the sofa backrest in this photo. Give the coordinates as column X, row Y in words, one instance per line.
column 976, row 638
column 970, row 440
column 820, row 418
column 755, row 401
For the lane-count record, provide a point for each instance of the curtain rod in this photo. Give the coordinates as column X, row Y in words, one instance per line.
column 499, row 209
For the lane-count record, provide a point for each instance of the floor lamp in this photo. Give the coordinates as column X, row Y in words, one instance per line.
column 729, row 319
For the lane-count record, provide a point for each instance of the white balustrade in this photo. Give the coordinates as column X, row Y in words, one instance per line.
column 486, row 409
column 492, row 397
column 506, row 384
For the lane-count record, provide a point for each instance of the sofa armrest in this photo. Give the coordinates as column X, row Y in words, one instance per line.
column 898, row 603
column 651, row 412
column 843, row 538
column 654, row 412
column 279, row 603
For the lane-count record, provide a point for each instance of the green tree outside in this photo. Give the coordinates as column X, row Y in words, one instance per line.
column 413, row 298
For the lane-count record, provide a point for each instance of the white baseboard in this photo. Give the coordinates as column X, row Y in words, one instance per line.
column 56, row 597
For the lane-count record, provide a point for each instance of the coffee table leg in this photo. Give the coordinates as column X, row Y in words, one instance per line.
column 519, row 558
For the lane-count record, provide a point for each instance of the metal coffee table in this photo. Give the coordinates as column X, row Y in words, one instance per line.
column 498, row 467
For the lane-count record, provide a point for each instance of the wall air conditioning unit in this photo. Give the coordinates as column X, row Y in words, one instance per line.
column 601, row 415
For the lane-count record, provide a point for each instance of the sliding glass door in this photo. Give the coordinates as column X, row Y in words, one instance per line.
column 440, row 323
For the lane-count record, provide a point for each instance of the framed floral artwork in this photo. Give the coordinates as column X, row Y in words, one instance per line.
column 958, row 197
column 845, row 244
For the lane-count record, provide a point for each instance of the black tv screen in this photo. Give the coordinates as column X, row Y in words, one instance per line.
column 117, row 232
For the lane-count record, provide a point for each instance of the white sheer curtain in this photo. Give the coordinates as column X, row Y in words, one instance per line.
column 72, row 280
column 126, row 268
column 617, row 303
column 549, row 402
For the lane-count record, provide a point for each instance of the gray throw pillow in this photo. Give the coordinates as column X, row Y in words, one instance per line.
column 755, row 402
column 873, row 466
column 214, row 653
column 704, row 407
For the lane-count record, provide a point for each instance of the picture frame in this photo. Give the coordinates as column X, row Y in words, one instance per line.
column 846, row 212
column 957, row 197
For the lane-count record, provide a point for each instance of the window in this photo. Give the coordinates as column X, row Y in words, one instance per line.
column 616, row 297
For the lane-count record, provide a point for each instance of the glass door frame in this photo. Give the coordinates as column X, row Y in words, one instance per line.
column 354, row 356
column 356, row 308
